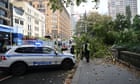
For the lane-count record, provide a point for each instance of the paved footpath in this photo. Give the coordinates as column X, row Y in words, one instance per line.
column 100, row 72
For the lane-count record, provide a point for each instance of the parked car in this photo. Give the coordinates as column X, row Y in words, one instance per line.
column 19, row 58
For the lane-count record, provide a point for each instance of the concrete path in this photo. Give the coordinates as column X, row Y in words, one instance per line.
column 100, row 72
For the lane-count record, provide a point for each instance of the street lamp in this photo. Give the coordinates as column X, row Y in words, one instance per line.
column 85, row 22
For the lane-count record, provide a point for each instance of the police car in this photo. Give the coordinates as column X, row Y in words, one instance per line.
column 19, row 59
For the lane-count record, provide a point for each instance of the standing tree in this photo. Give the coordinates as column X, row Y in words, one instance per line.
column 136, row 22
column 136, row 25
column 120, row 23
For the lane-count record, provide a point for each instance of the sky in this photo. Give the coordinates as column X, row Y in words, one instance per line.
column 102, row 7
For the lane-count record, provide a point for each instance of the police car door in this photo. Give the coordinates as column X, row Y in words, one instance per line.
column 49, row 56
column 43, row 56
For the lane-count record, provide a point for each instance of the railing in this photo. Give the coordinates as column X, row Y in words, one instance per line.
column 127, row 56
column 130, row 57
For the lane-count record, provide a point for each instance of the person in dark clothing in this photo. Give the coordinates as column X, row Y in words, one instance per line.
column 87, row 51
column 72, row 49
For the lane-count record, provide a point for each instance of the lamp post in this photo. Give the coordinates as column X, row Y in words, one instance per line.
column 85, row 22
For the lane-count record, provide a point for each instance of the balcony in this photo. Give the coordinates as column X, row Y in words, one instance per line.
column 3, row 8
column 4, row 18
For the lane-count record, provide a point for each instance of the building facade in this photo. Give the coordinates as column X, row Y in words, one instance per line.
column 58, row 23
column 5, row 13
column 5, row 25
column 65, row 27
column 18, row 20
column 32, row 20
column 119, row 7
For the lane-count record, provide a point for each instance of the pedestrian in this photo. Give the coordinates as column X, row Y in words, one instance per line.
column 72, row 49
column 87, row 51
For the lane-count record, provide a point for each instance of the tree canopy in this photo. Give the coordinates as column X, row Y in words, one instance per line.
column 58, row 4
column 102, row 31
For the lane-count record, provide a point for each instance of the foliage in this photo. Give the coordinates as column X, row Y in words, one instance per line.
column 129, row 36
column 120, row 23
column 55, row 5
column 134, row 47
column 98, row 49
column 136, row 23
column 103, row 32
column 78, row 46
column 98, row 31
column 58, row 4
column 110, row 37
column 129, row 40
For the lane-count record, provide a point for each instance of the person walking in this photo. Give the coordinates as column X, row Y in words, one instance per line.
column 72, row 49
column 87, row 51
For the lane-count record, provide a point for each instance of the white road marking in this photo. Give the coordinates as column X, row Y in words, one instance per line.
column 5, row 78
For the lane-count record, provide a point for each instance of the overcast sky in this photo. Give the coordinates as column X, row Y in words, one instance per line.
column 103, row 7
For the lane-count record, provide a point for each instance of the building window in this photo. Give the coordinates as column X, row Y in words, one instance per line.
column 54, row 16
column 54, row 26
column 41, row 10
column 29, row 27
column 3, row 4
column 36, row 29
column 29, row 10
column 5, row 1
column 2, row 13
column 19, row 11
column 36, row 22
column 54, row 21
column 1, row 21
column 17, row 21
column 29, row 34
column 41, row 5
column 29, row 18
column 21, row 22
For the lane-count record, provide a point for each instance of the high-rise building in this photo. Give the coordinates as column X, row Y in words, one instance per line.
column 119, row 7
column 58, row 23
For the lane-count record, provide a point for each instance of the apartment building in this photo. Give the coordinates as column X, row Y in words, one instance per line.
column 65, row 27
column 58, row 23
column 5, row 13
column 119, row 7
column 18, row 20
column 32, row 20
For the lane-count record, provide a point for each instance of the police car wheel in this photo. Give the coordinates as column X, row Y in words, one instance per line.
column 18, row 68
column 67, row 64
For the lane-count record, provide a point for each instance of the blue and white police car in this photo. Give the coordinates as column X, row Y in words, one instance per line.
column 19, row 59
